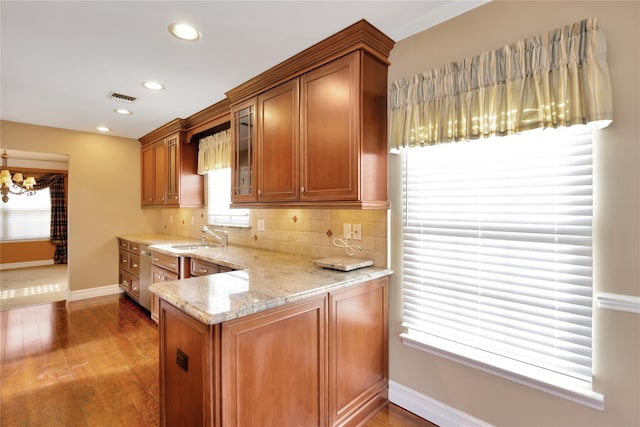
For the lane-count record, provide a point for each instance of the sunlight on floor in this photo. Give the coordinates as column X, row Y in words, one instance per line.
column 33, row 290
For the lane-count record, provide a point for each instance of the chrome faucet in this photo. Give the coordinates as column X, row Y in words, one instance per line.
column 224, row 238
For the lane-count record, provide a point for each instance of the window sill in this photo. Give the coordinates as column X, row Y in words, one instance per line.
column 538, row 379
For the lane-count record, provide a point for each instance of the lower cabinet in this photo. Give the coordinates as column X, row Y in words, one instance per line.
column 274, row 367
column 187, row 370
column 320, row 362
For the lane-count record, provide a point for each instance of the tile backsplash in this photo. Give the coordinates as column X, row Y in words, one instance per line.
column 309, row 232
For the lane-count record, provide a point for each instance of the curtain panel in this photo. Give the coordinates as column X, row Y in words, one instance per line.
column 55, row 182
column 559, row 78
column 214, row 152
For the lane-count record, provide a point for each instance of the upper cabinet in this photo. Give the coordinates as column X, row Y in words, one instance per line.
column 312, row 130
column 169, row 168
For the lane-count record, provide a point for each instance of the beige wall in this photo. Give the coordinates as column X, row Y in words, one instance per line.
column 616, row 228
column 104, row 195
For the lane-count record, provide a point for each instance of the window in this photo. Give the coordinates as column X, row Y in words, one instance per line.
column 497, row 256
column 219, row 199
column 26, row 217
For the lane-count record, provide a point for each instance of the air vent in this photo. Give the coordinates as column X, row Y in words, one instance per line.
column 120, row 97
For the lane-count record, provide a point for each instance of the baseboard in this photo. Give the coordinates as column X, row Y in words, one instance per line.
column 25, row 264
column 430, row 409
column 94, row 292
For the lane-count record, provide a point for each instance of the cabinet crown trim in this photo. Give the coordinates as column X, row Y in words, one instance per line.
column 359, row 36
column 173, row 126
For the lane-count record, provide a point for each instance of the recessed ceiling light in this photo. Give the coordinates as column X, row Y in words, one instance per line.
column 103, row 129
column 152, row 85
column 122, row 111
column 184, row 31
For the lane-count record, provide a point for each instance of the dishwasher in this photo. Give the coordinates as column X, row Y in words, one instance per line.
column 144, row 298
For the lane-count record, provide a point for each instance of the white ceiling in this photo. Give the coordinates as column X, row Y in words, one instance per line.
column 60, row 59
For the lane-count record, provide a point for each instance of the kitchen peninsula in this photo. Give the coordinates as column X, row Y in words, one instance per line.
column 277, row 341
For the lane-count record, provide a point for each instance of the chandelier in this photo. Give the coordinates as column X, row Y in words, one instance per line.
column 17, row 185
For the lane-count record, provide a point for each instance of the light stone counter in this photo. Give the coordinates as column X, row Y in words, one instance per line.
column 263, row 280
column 157, row 238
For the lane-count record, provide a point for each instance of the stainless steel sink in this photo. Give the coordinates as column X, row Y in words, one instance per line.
column 193, row 246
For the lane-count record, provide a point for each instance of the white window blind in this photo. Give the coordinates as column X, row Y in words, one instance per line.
column 26, row 217
column 219, row 199
column 497, row 251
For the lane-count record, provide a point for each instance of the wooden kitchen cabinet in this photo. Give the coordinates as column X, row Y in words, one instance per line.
column 129, row 267
column 274, row 367
column 169, row 167
column 358, row 352
column 318, row 362
column 243, row 166
column 188, row 369
column 278, row 143
column 322, row 126
column 165, row 268
column 203, row 268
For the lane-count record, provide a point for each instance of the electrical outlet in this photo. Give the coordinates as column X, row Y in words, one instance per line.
column 346, row 230
column 357, row 232
column 261, row 225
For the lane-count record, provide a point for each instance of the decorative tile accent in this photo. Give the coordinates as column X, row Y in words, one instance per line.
column 255, row 237
column 329, row 233
column 295, row 218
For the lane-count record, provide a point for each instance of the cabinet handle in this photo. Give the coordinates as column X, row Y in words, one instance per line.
column 302, row 189
column 124, row 283
column 173, row 264
column 259, row 192
column 124, row 261
column 155, row 258
column 134, row 266
column 203, row 270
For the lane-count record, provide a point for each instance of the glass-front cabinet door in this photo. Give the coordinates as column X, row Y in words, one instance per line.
column 243, row 133
column 173, row 174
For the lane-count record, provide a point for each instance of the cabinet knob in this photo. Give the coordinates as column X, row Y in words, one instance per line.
column 259, row 192
column 124, row 261
column 302, row 189
column 203, row 270
column 173, row 264
column 134, row 266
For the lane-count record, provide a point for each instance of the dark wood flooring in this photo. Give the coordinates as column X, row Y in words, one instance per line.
column 92, row 363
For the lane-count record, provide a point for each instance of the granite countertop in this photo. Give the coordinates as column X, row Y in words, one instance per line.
column 157, row 238
column 263, row 280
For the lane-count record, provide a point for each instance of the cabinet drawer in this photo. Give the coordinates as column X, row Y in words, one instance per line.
column 134, row 264
column 202, row 268
column 168, row 262
column 124, row 244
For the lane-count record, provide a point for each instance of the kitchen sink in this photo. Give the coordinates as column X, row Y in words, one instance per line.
column 194, row 246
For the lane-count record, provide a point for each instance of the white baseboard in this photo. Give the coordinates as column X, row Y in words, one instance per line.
column 430, row 409
column 93, row 292
column 25, row 264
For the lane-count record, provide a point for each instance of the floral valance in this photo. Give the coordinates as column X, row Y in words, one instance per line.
column 559, row 78
column 214, row 152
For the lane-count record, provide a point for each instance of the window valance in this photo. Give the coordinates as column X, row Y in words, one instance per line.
column 214, row 152
column 559, row 78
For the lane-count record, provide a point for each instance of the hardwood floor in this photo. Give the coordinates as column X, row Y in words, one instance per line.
column 92, row 363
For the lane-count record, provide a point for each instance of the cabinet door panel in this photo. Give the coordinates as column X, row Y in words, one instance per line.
column 278, row 124
column 160, row 172
column 273, row 367
column 329, row 131
column 243, row 168
column 148, row 175
column 186, row 370
column 173, row 173
column 358, row 351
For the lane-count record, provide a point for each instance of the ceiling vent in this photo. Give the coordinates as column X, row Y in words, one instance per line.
column 120, row 97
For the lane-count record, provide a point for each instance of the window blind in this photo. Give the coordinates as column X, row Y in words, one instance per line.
column 497, row 249
column 219, row 198
column 26, row 217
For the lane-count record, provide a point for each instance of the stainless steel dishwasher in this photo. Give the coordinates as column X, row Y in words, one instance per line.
column 144, row 298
